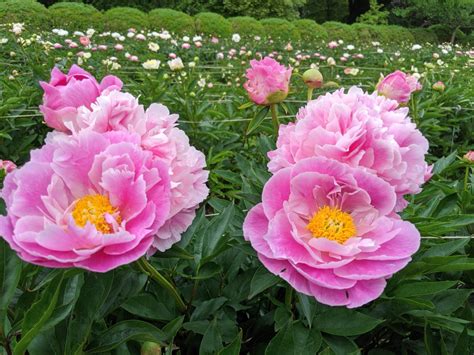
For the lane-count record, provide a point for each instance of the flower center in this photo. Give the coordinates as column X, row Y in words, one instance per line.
column 333, row 224
column 93, row 208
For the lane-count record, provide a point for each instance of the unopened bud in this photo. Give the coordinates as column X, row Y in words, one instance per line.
column 150, row 348
column 439, row 86
column 313, row 78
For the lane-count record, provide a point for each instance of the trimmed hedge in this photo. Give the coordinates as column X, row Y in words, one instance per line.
column 444, row 33
column 210, row 23
column 424, row 35
column 246, row 26
column 337, row 30
column 26, row 11
column 123, row 18
column 279, row 28
column 310, row 30
column 395, row 34
column 75, row 16
column 171, row 20
column 367, row 33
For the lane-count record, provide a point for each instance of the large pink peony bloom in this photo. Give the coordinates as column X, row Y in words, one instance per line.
column 118, row 111
column 90, row 200
column 329, row 230
column 358, row 129
column 398, row 86
column 268, row 81
column 65, row 93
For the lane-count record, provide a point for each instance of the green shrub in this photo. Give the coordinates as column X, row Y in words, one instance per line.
column 212, row 24
column 423, row 35
column 171, row 20
column 337, row 30
column 444, row 33
column 279, row 28
column 123, row 18
column 26, row 11
column 310, row 30
column 395, row 34
column 246, row 26
column 75, row 16
column 366, row 33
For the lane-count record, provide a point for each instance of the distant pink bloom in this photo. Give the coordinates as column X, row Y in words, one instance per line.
column 439, row 86
column 7, row 165
column 333, row 44
column 186, row 45
column 330, row 232
column 118, row 47
column 102, row 47
column 133, row 58
column 65, row 93
column 215, row 40
column 469, row 156
column 97, row 201
column 140, row 37
column 172, row 55
column 57, row 46
column 198, row 44
column 85, row 41
column 118, row 111
column 398, row 86
column 360, row 130
column 73, row 45
column 268, row 81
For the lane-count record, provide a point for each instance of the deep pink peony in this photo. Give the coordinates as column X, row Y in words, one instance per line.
column 398, row 86
column 65, row 93
column 120, row 111
column 358, row 129
column 329, row 230
column 90, row 200
column 268, row 81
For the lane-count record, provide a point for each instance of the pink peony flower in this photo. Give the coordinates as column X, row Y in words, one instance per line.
column 85, row 41
column 398, row 86
column 360, row 130
column 329, row 231
column 7, row 165
column 96, row 203
column 268, row 81
column 333, row 44
column 118, row 111
column 469, row 156
column 65, row 93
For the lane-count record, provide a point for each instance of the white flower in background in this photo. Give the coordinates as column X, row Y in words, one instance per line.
column 397, row 54
column 220, row 56
column 185, row 39
column 78, row 33
column 331, row 61
column 201, row 82
column 346, row 55
column 3, row 40
column 288, row 47
column 17, row 28
column 154, row 47
column 379, row 50
column 176, row 64
column 415, row 47
column 197, row 38
column 435, row 55
column 340, row 41
column 439, row 62
column 236, row 37
column 444, row 51
column 130, row 34
column 350, row 47
column 121, row 38
column 192, row 64
column 151, row 64
column 140, row 37
column 90, row 32
column 257, row 38
column 62, row 33
column 164, row 35
column 375, row 44
column 115, row 35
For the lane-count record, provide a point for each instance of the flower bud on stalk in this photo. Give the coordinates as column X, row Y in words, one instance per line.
column 313, row 80
column 150, row 348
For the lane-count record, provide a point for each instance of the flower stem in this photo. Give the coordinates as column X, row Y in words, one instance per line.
column 310, row 94
column 466, row 178
column 276, row 122
column 289, row 297
column 155, row 275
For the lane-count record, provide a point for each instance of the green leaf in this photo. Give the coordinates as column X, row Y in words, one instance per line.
column 446, row 302
column 123, row 332
column 341, row 345
column 94, row 293
column 462, row 344
column 307, row 307
column 422, row 288
column 234, row 347
column 295, row 339
column 257, row 120
column 446, row 248
column 212, row 340
column 172, row 328
column 444, row 162
column 146, row 306
column 38, row 314
column 10, row 273
column 345, row 322
column 208, row 308
column 216, row 230
column 261, row 280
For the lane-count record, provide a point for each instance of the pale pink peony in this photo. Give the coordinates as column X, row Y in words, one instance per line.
column 268, row 81
column 96, row 202
column 329, row 230
column 7, row 165
column 85, row 41
column 358, row 129
column 65, row 93
column 398, row 86
column 118, row 111
column 469, row 156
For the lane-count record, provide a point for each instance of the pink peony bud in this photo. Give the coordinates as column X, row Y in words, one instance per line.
column 7, row 165
column 85, row 41
column 268, row 81
column 469, row 156
column 398, row 86
column 439, row 86
column 313, row 78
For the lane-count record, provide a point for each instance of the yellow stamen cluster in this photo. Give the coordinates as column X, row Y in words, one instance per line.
column 92, row 208
column 333, row 224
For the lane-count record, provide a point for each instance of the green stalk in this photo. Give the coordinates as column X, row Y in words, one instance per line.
column 310, row 94
column 466, row 178
column 276, row 122
column 155, row 275
column 289, row 297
